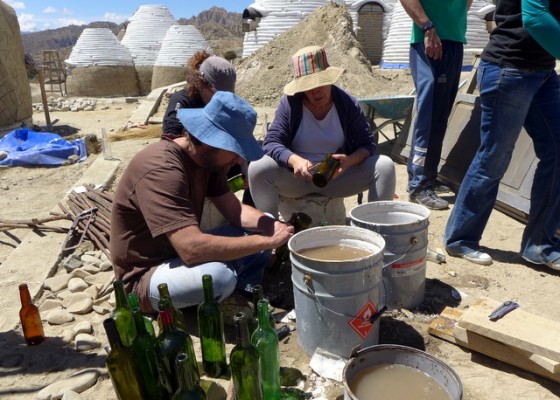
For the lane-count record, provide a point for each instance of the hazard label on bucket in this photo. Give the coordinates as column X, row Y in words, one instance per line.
column 361, row 322
column 407, row 268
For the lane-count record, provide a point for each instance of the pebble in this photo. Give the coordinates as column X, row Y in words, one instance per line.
column 92, row 292
column 50, row 304
column 83, row 327
column 77, row 383
column 101, row 310
column 105, row 265
column 80, row 273
column 82, row 307
column 59, row 316
column 71, row 395
column 77, row 285
column 89, row 259
column 85, row 342
column 74, row 298
column 57, row 283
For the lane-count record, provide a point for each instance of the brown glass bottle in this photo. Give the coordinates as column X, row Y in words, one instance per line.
column 325, row 171
column 300, row 222
column 30, row 318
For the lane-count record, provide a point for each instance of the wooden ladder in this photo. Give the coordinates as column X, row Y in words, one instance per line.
column 53, row 72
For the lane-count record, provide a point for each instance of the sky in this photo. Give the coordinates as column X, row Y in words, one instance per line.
column 39, row 15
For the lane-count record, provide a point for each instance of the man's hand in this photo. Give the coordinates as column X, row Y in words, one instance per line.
column 432, row 45
column 282, row 233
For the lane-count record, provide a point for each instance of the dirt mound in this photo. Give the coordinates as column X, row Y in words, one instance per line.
column 261, row 77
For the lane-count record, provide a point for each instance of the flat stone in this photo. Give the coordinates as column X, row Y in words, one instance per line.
column 105, row 265
column 92, row 292
column 101, row 310
column 85, row 342
column 50, row 304
column 83, row 327
column 77, row 383
column 99, row 279
column 88, row 259
column 73, row 298
column 77, row 285
column 81, row 307
column 71, row 263
column 58, row 316
column 71, row 395
column 57, row 283
column 68, row 336
column 92, row 269
column 80, row 273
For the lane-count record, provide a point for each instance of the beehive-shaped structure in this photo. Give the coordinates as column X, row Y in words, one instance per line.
column 144, row 37
column 100, row 65
column 179, row 44
column 397, row 44
column 15, row 94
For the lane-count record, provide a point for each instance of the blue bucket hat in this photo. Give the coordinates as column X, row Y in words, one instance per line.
column 226, row 122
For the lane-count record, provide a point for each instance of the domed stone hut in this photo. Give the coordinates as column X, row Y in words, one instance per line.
column 100, row 65
column 179, row 44
column 15, row 94
column 143, row 38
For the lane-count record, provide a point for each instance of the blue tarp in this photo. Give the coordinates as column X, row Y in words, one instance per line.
column 27, row 147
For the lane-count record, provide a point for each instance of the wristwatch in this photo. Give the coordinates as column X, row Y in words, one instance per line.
column 426, row 26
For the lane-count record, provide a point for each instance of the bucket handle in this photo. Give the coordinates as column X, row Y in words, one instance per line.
column 413, row 242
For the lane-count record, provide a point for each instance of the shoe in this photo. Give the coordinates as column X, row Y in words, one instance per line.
column 428, row 198
column 477, row 257
column 441, row 188
column 555, row 265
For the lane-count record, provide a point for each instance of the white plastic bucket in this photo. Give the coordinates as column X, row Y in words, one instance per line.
column 404, row 226
column 336, row 300
column 391, row 354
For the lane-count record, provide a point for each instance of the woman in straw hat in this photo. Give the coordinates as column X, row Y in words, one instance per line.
column 316, row 118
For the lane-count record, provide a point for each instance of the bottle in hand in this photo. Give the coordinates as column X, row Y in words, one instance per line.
column 325, row 171
column 211, row 331
column 30, row 318
column 300, row 221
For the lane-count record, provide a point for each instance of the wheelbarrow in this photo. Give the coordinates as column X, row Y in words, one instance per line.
column 395, row 111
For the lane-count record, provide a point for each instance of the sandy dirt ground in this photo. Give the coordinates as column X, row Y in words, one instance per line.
column 33, row 192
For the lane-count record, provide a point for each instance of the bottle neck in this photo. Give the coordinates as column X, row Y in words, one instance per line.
column 208, row 288
column 185, row 375
column 258, row 294
column 112, row 333
column 139, row 321
column 120, row 295
column 264, row 315
column 241, row 332
column 133, row 300
column 166, row 317
column 24, row 295
column 164, row 293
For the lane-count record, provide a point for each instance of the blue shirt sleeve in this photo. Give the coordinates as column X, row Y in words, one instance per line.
column 542, row 25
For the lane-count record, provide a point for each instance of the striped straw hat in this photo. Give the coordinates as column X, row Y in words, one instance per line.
column 311, row 70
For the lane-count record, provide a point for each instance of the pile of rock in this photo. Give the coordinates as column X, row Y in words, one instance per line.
column 67, row 104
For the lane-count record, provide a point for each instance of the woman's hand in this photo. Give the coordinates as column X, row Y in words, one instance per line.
column 301, row 167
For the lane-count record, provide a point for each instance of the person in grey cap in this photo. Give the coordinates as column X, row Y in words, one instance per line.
column 157, row 210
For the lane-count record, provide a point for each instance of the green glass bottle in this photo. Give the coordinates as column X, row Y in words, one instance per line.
column 121, row 365
column 178, row 317
column 133, row 302
column 244, row 363
column 325, row 171
column 300, row 221
column 253, row 321
column 143, row 348
column 189, row 387
column 211, row 331
column 236, row 183
column 122, row 315
column 170, row 342
column 266, row 342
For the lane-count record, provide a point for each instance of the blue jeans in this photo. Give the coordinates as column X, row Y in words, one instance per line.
column 185, row 283
column 436, row 83
column 510, row 99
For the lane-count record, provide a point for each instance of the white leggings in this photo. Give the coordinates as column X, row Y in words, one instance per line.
column 268, row 180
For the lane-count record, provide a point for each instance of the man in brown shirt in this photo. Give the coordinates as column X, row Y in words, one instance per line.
column 158, row 204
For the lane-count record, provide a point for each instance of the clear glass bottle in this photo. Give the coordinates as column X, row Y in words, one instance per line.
column 266, row 342
column 211, row 331
column 120, row 364
column 122, row 315
column 133, row 302
column 178, row 317
column 244, row 363
column 189, row 388
column 143, row 348
column 30, row 318
column 169, row 343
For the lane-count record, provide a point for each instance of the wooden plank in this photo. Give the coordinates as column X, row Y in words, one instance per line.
column 548, row 364
column 445, row 326
column 501, row 352
column 518, row 329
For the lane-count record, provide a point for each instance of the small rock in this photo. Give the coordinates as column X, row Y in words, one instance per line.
column 77, row 285
column 80, row 273
column 86, row 342
column 57, row 283
column 59, row 316
column 50, row 304
column 105, row 265
column 70, row 263
column 73, row 298
column 82, row 307
column 101, row 310
column 92, row 292
column 131, row 100
column 88, row 259
column 68, row 336
column 77, row 383
column 83, row 327
column 100, row 278
column 71, row 395
column 91, row 269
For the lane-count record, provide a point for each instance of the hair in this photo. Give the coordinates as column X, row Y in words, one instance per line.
column 195, row 81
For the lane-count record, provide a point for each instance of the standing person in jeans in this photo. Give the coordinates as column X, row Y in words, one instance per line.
column 518, row 88
column 436, row 59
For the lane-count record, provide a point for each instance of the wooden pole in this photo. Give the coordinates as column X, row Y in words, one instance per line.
column 44, row 96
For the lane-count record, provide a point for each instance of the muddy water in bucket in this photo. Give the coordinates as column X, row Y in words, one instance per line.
column 404, row 226
column 335, row 300
column 379, row 372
